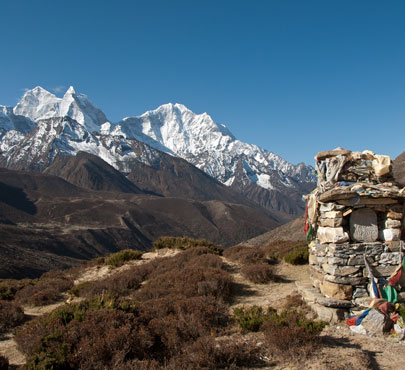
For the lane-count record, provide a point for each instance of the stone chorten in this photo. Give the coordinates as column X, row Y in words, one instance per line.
column 354, row 217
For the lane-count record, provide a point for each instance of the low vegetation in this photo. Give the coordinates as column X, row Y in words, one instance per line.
column 167, row 313
column 289, row 332
column 184, row 242
column 119, row 258
column 293, row 252
column 11, row 315
column 168, row 321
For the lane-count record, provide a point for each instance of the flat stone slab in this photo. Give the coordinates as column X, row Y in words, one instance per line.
column 363, row 225
column 312, row 295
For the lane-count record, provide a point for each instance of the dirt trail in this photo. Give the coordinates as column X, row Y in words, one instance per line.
column 343, row 349
column 249, row 294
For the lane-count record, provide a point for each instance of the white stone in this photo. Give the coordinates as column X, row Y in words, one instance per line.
column 390, row 235
column 332, row 235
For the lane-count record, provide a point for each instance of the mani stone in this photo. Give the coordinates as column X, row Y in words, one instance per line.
column 337, row 291
column 332, row 235
column 363, row 225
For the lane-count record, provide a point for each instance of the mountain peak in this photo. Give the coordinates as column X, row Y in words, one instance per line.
column 70, row 91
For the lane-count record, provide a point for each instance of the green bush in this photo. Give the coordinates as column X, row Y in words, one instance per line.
column 297, row 256
column 251, row 318
column 184, row 242
column 119, row 258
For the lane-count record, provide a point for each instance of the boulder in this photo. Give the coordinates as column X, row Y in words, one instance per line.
column 376, row 323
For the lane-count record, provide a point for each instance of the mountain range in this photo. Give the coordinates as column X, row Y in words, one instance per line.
column 42, row 126
column 75, row 185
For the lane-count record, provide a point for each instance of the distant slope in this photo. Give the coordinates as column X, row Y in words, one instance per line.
column 90, row 172
column 49, row 222
column 293, row 230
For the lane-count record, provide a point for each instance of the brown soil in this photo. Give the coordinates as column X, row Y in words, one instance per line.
column 342, row 348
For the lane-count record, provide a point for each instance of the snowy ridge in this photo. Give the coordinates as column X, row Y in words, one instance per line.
column 209, row 146
column 38, row 104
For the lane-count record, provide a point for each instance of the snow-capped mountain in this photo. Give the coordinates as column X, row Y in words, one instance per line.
column 38, row 103
column 210, row 146
column 42, row 125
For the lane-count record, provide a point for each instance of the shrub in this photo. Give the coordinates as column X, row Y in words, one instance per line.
column 245, row 255
column 119, row 258
column 181, row 302
column 279, row 249
column 9, row 287
column 258, row 273
column 11, row 315
column 45, row 291
column 292, row 334
column 120, row 284
column 250, row 318
column 298, row 256
column 206, row 353
column 184, row 242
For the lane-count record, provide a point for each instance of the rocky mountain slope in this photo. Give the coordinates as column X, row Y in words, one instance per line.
column 47, row 222
column 43, row 126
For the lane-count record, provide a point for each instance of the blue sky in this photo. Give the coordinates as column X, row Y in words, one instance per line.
column 292, row 76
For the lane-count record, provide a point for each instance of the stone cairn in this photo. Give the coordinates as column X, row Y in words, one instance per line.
column 355, row 213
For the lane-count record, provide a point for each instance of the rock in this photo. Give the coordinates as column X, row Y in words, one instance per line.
column 327, row 207
column 393, row 258
column 390, row 234
column 312, row 259
column 392, row 224
column 340, row 270
column 360, row 293
column 356, row 260
column 331, row 153
column 337, row 291
column 333, row 214
column 384, row 271
column 376, row 323
column 337, row 261
column 332, row 235
column 363, row 225
column 363, row 201
column 331, row 222
column 328, row 314
column 337, row 195
column 345, row 280
column 394, row 215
